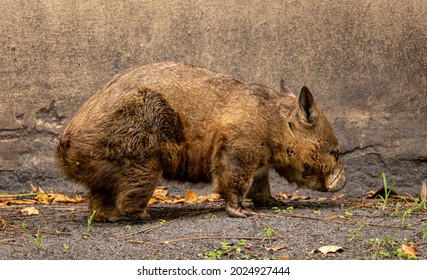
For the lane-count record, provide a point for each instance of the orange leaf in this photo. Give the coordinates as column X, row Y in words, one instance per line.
column 4, row 222
column 43, row 198
column 410, row 250
column 29, row 211
column 160, row 191
column 153, row 200
column 178, row 199
column 191, row 194
column 285, row 257
column 211, row 197
column 20, row 202
column 296, row 197
column 282, row 195
column 60, row 198
column 160, row 195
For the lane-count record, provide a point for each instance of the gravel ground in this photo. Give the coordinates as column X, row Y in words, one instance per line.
column 359, row 226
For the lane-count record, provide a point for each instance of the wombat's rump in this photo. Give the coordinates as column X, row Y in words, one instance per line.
column 185, row 123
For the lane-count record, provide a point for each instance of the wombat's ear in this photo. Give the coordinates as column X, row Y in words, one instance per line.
column 307, row 106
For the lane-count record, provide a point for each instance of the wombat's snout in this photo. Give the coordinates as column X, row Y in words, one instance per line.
column 337, row 180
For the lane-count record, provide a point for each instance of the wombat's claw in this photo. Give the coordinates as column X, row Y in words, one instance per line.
column 248, row 212
column 239, row 211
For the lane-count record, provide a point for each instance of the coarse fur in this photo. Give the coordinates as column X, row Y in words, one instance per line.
column 185, row 123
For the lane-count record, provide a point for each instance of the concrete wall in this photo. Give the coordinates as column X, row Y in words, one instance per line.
column 366, row 62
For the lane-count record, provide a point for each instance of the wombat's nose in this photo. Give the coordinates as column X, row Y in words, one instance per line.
column 337, row 180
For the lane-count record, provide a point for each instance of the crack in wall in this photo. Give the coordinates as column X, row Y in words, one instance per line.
column 21, row 133
column 372, row 149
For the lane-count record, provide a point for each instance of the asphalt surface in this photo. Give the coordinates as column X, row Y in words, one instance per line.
column 361, row 228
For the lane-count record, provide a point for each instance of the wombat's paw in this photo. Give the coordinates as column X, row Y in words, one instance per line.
column 114, row 219
column 268, row 201
column 133, row 216
column 238, row 211
column 140, row 216
column 108, row 218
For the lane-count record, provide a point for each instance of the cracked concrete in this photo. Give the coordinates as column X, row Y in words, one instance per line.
column 366, row 63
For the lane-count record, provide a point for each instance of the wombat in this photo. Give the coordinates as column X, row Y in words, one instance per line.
column 185, row 123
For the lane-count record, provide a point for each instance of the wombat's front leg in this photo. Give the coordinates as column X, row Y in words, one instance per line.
column 232, row 179
column 260, row 190
column 233, row 197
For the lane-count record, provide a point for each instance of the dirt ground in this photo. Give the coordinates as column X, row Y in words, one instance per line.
column 361, row 228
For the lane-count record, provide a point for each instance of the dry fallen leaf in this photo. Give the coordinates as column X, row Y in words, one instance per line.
column 285, row 257
column 43, row 198
column 292, row 197
column 176, row 199
column 380, row 192
column 328, row 249
column 211, row 197
column 47, row 198
column 191, row 195
column 161, row 196
column 282, row 195
column 338, row 196
column 29, row 211
column 4, row 222
column 336, row 217
column 204, row 198
column 160, row 191
column 410, row 250
column 275, row 248
column 61, row 198
column 296, row 197
column 153, row 200
column 18, row 202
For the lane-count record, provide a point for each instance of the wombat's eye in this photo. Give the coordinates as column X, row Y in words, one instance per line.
column 335, row 154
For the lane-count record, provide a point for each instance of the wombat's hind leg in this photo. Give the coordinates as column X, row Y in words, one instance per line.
column 260, row 190
column 136, row 188
column 102, row 201
column 133, row 203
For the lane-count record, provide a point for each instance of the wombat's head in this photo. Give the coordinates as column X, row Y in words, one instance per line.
column 314, row 154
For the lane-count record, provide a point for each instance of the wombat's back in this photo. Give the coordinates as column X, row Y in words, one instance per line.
column 197, row 94
column 205, row 104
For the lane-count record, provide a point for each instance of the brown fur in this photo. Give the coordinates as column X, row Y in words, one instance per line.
column 185, row 123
